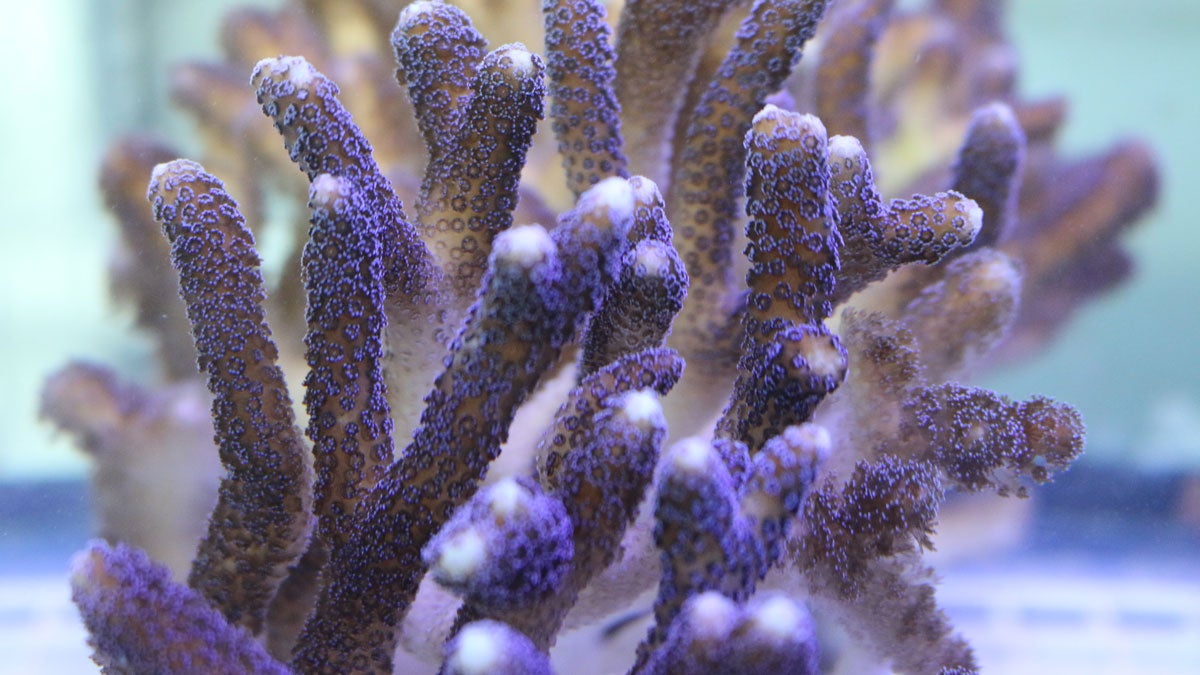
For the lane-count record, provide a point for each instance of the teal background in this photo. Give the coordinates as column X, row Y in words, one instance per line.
column 77, row 74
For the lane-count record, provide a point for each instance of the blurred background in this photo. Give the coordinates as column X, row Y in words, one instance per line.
column 1110, row 555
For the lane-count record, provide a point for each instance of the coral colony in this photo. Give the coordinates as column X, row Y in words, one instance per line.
column 490, row 388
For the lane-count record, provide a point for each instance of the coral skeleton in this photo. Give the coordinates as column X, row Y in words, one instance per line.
column 542, row 389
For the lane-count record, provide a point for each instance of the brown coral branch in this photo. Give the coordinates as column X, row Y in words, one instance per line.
column 659, row 44
column 965, row 314
column 584, row 112
column 321, row 137
column 842, row 82
column 260, row 525
column 704, row 541
column 792, row 229
column 143, row 622
column 988, row 169
column 879, row 238
column 438, row 52
column 470, row 186
column 639, row 308
column 981, row 439
column 702, row 199
column 598, row 458
column 345, row 395
column 527, row 311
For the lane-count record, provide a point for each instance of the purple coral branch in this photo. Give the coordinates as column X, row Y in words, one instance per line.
column 260, row 525
column 141, row 621
column 349, row 421
column 584, row 111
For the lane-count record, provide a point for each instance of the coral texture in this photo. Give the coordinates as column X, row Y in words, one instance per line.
column 489, row 387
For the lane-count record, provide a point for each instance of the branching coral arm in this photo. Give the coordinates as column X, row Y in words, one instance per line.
column 966, row 313
column 321, row 137
column 793, row 231
column 598, row 458
column 704, row 541
column 639, row 309
column 860, row 558
column 879, row 238
column 789, row 360
column 345, row 394
column 141, row 621
column 261, row 522
column 487, row 647
column 988, row 169
column 508, row 548
column 438, row 52
column 470, row 186
column 584, row 112
column 702, row 198
column 983, row 440
column 659, row 44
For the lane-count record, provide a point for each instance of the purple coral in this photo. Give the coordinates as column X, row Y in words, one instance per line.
column 142, row 621
column 509, row 546
column 488, row 349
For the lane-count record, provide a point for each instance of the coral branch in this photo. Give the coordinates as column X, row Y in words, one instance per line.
column 792, row 231
column 887, row 365
column 584, row 109
column 511, row 546
column 638, row 310
column 965, row 314
column 989, row 167
column 346, row 398
column 261, row 521
column 659, row 44
column 705, row 542
column 862, row 217
column 143, row 622
column 438, row 51
column 470, row 186
column 778, row 480
column 780, row 383
column 536, row 289
column 859, row 556
column 880, row 239
column 983, row 440
column 598, row 458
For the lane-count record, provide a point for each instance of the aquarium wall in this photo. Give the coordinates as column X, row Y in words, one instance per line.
column 1094, row 572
